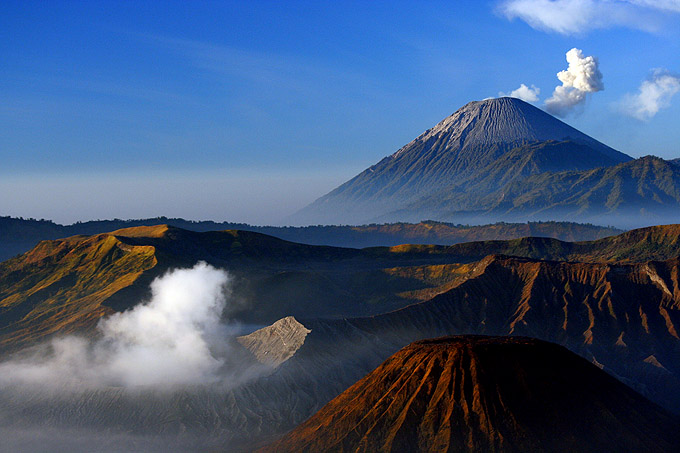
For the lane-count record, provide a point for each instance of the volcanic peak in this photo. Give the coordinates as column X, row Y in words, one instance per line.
column 486, row 394
column 454, row 154
column 506, row 120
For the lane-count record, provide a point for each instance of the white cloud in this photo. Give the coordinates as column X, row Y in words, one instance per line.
column 581, row 77
column 176, row 338
column 653, row 95
column 524, row 93
column 580, row 16
column 664, row 5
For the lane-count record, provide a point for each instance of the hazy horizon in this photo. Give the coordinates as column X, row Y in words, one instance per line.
column 246, row 112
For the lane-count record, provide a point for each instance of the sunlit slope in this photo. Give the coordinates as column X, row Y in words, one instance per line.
column 470, row 394
column 620, row 316
column 431, row 232
column 20, row 235
column 643, row 244
column 61, row 286
column 67, row 285
column 625, row 318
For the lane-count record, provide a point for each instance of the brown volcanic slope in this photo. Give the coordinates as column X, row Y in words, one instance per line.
column 625, row 318
column 503, row 394
column 59, row 286
column 21, row 235
column 66, row 285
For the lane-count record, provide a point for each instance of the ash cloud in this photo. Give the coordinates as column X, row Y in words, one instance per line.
column 653, row 95
column 175, row 338
column 581, row 77
column 525, row 93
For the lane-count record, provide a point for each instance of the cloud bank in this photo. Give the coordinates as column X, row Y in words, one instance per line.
column 176, row 338
column 524, row 93
column 653, row 95
column 581, row 77
column 571, row 17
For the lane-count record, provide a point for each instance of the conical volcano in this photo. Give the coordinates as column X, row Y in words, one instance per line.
column 496, row 394
column 456, row 150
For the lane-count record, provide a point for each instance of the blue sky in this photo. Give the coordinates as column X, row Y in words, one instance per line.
column 247, row 111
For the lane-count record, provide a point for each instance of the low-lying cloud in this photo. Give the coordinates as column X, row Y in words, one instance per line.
column 525, row 93
column 581, row 77
column 573, row 17
column 175, row 338
column 653, row 95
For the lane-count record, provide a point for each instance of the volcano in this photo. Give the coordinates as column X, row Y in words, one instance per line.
column 474, row 393
column 456, row 154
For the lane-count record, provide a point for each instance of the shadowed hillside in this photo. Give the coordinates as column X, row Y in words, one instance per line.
column 504, row 394
column 613, row 301
column 624, row 318
column 640, row 192
column 68, row 284
column 20, row 235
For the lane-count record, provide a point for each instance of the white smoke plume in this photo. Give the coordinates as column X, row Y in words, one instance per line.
column 581, row 77
column 653, row 95
column 173, row 339
column 524, row 93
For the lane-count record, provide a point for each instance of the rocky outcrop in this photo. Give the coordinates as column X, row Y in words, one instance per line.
column 277, row 343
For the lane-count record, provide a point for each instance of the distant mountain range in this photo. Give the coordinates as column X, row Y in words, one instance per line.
column 505, row 160
column 18, row 235
column 645, row 190
column 476, row 393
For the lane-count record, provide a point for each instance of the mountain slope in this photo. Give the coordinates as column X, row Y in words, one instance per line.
column 273, row 345
column 59, row 286
column 21, row 235
column 622, row 317
column 67, row 285
column 632, row 194
column 649, row 186
column 625, row 318
column 504, row 394
column 457, row 148
column 531, row 159
column 472, row 198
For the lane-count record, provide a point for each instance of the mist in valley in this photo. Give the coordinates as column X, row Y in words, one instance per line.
column 148, row 378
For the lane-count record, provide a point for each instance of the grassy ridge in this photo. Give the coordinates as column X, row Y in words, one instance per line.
column 60, row 286
column 20, row 235
column 68, row 284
